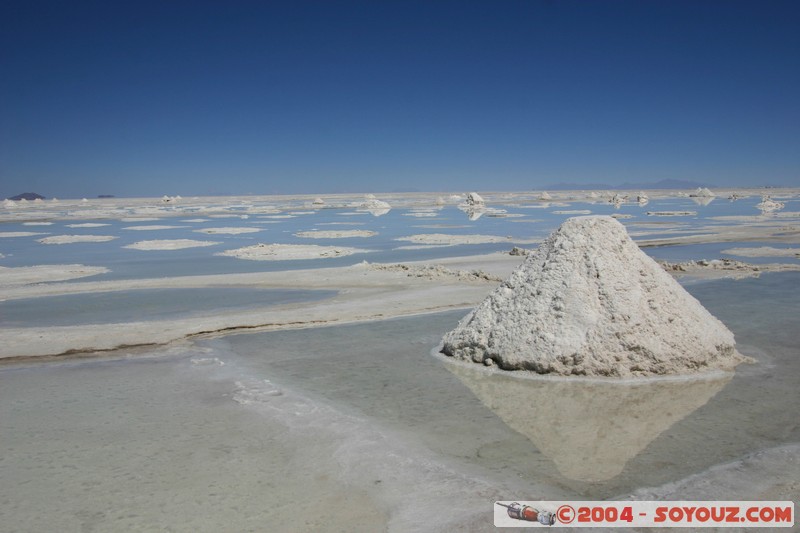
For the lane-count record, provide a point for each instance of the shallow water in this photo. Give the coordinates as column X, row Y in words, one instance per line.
column 362, row 422
column 388, row 376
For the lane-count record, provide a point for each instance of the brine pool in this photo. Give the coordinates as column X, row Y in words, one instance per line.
column 361, row 428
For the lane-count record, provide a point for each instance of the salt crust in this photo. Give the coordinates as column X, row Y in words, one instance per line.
column 284, row 252
column 69, row 239
column 590, row 302
column 169, row 244
column 442, row 238
column 4, row 234
column 151, row 228
column 763, row 251
column 227, row 231
column 19, row 276
column 332, row 234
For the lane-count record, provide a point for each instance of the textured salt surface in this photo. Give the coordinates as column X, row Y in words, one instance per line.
column 69, row 239
column 169, row 244
column 590, row 302
column 763, row 251
column 343, row 234
column 284, row 252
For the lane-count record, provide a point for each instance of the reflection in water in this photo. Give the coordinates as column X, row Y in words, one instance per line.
column 589, row 429
column 473, row 212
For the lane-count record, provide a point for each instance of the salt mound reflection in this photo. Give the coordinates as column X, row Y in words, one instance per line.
column 589, row 429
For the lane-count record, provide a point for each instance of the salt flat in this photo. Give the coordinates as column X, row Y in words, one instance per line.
column 342, row 391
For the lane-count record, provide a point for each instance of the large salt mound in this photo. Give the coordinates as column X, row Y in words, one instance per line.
column 590, row 302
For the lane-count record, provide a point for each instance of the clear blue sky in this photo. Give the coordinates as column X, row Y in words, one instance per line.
column 150, row 98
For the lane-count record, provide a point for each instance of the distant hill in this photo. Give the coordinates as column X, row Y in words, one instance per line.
column 662, row 184
column 27, row 196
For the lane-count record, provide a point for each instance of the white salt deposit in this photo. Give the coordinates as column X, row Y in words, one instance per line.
column 4, row 234
column 672, row 213
column 474, row 199
column 702, row 192
column 227, row 231
column 284, row 252
column 152, row 227
column 169, row 244
column 333, row 234
column 69, row 239
column 763, row 251
column 445, row 239
column 590, row 302
column 768, row 205
column 88, row 225
column 18, row 276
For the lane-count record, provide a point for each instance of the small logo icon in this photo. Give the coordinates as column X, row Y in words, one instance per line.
column 565, row 514
column 529, row 514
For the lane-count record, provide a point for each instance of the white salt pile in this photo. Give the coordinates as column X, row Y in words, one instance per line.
column 590, row 302
column 702, row 192
column 768, row 205
column 475, row 199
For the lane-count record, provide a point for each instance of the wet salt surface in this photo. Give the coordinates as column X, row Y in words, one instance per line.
column 674, row 429
column 235, row 432
column 156, row 445
column 143, row 305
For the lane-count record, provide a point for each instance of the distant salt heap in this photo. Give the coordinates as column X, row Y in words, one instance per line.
column 590, row 302
column 475, row 200
column 702, row 192
column 768, row 205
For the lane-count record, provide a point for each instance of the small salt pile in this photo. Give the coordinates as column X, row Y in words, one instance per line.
column 590, row 302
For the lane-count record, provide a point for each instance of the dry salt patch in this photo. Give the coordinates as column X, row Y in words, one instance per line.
column 344, row 234
column 287, row 252
column 152, row 228
column 763, row 251
column 17, row 276
column 573, row 212
column 619, row 216
column 672, row 213
column 196, row 220
column 70, row 239
column 300, row 213
column 88, row 225
column 169, row 244
column 421, row 214
column 9, row 234
column 37, row 223
column 589, row 302
column 227, row 231
column 451, row 240
column 278, row 217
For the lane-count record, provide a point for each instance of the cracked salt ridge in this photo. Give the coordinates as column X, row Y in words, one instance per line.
column 590, row 302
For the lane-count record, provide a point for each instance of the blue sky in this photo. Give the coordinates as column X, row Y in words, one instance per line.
column 192, row 98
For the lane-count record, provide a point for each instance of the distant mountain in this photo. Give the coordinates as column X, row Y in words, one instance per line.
column 662, row 184
column 27, row 196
